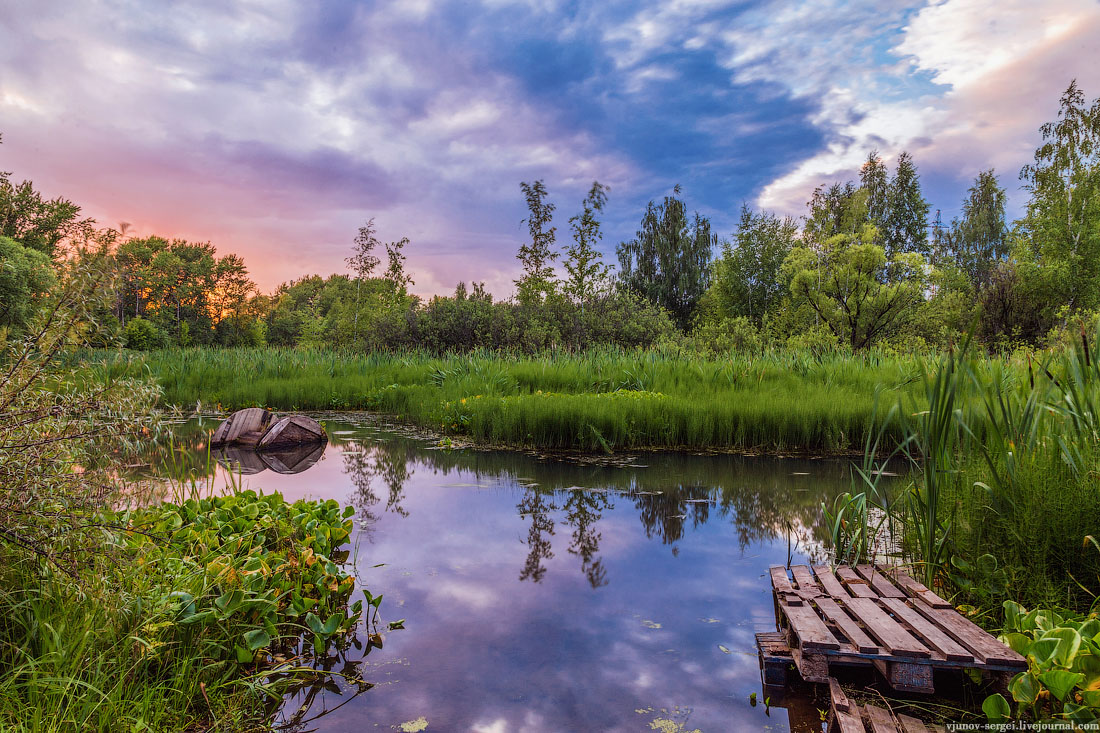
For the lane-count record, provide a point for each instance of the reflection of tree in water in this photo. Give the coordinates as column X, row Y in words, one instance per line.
column 389, row 462
column 664, row 513
column 583, row 509
column 539, row 534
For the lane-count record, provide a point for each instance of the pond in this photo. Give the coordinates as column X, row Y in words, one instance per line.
column 551, row 594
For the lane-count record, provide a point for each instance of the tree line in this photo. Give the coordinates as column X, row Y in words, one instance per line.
column 868, row 264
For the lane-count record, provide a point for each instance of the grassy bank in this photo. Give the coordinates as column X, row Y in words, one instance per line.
column 599, row 400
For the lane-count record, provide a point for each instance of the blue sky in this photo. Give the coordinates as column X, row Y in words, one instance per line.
column 274, row 129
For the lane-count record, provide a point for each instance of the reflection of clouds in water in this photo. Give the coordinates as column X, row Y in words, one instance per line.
column 484, row 651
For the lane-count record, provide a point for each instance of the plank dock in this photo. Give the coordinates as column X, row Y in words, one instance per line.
column 874, row 616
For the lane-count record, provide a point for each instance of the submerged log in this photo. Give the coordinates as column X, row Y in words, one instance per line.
column 243, row 427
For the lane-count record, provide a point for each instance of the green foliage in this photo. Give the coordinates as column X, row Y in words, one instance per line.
column 1062, row 681
column 26, row 277
column 588, row 276
column 141, row 335
column 1061, row 228
column 747, row 277
column 853, row 289
column 774, row 400
column 193, row 615
column 668, row 261
column 981, row 237
column 538, row 255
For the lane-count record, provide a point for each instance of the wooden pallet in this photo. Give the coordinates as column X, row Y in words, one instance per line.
column 879, row 616
column 775, row 657
column 847, row 717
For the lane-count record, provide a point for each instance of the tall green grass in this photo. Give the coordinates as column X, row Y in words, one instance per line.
column 603, row 399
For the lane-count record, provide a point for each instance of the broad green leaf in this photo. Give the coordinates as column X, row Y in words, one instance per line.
column 257, row 639
column 1018, row 642
column 1025, row 688
column 314, row 623
column 996, row 708
column 1060, row 682
column 244, row 656
column 1069, row 642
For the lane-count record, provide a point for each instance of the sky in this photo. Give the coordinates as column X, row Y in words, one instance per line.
column 276, row 128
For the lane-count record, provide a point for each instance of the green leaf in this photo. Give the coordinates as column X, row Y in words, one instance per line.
column 1024, row 688
column 1069, row 642
column 1018, row 642
column 332, row 624
column 244, row 656
column 257, row 639
column 314, row 623
column 996, row 708
column 1060, row 682
column 399, row 624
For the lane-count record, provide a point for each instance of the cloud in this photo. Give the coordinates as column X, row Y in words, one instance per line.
column 967, row 89
column 274, row 129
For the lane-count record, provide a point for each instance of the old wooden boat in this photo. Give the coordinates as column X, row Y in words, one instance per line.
column 264, row 430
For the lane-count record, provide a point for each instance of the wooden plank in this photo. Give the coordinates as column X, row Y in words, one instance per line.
column 911, row 725
column 930, row 634
column 889, row 632
column 812, row 665
column 905, row 675
column 792, row 600
column 805, row 580
column 848, row 723
column 848, row 627
column 880, row 719
column 915, row 588
column 971, row 636
column 780, row 582
column 855, row 584
column 829, row 582
column 879, row 582
column 837, row 697
column 809, row 628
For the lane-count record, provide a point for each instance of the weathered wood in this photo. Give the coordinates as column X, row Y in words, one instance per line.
column 907, row 676
column 970, row 635
column 932, row 635
column 837, row 696
column 780, row 582
column 911, row 725
column 879, row 582
column 807, row 585
column 855, row 584
column 847, row 625
column 249, row 420
column 292, row 430
column 914, row 588
column 812, row 665
column 848, row 723
column 881, row 721
column 829, row 582
column 775, row 657
column 294, row 459
column 889, row 632
column 808, row 626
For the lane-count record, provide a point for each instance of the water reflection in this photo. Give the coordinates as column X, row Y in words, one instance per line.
column 548, row 595
column 248, row 462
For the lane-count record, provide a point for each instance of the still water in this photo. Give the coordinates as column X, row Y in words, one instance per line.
column 545, row 594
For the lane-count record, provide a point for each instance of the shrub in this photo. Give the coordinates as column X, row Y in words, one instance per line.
column 141, row 335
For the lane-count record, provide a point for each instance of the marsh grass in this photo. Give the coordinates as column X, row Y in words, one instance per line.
column 604, row 399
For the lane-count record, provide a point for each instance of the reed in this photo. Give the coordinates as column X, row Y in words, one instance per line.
column 603, row 399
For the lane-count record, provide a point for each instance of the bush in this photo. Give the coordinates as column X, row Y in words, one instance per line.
column 141, row 335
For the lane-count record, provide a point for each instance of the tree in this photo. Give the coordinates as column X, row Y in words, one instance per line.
column 399, row 280
column 1062, row 220
column 875, row 180
column 362, row 262
column 857, row 292
column 747, row 277
column 668, row 261
column 588, row 275
column 26, row 277
column 838, row 209
column 538, row 255
column 906, row 224
column 980, row 238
